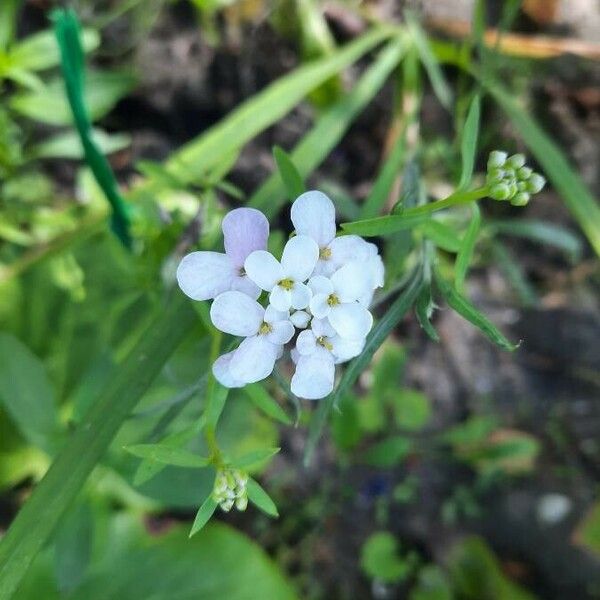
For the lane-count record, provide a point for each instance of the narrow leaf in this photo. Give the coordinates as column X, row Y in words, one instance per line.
column 467, row 247
column 36, row 520
column 205, row 512
column 167, row 455
column 468, row 147
column 384, row 225
column 253, row 458
column 424, row 310
column 466, row 310
column 514, row 274
column 331, row 126
column 375, row 338
column 441, row 234
column 260, row 498
column 266, row 403
column 289, row 174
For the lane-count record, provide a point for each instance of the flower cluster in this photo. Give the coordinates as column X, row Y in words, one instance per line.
column 322, row 286
column 510, row 179
column 230, row 488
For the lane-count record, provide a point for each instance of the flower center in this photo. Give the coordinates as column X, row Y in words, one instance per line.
column 286, row 284
column 324, row 253
column 264, row 328
column 333, row 300
column 322, row 341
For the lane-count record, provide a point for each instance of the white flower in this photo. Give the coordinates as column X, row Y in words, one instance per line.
column 337, row 300
column 313, row 215
column 300, row 319
column 285, row 280
column 318, row 350
column 205, row 275
column 266, row 331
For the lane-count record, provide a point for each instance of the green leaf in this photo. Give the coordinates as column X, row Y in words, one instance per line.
column 468, row 146
column 376, row 337
column 411, row 188
column 381, row 226
column 441, row 234
column 389, row 452
column 587, row 533
column 8, row 21
column 380, row 558
column 542, row 232
column 387, row 175
column 88, row 443
column 288, row 173
column 205, row 512
column 68, row 145
column 261, row 499
column 467, row 247
column 26, row 393
column 40, row 50
column 73, row 547
column 424, row 310
column 412, row 409
column 253, row 458
column 103, row 90
column 434, row 72
column 432, row 584
column 167, row 455
column 466, row 310
column 578, row 198
column 265, row 108
column 331, row 126
column 266, row 403
column 514, row 274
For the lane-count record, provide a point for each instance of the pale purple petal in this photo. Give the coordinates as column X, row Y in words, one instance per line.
column 236, row 313
column 254, row 359
column 244, row 230
column 281, row 332
column 313, row 214
column 205, row 275
column 222, row 374
column 242, row 283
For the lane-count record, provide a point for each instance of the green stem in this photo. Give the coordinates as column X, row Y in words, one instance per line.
column 460, row 197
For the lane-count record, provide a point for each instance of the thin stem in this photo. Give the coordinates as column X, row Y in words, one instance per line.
column 460, row 197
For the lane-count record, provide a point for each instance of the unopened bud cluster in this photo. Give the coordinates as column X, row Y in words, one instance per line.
column 230, row 489
column 508, row 178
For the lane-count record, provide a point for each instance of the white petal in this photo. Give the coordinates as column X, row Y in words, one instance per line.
column 319, row 306
column 245, row 285
column 313, row 214
column 236, row 313
column 320, row 285
column 306, row 343
column 347, row 248
column 272, row 315
column 351, row 320
column 366, row 299
column 282, row 332
column 294, row 355
column 352, row 281
column 345, row 349
column 314, row 377
column 300, row 319
column 244, row 230
column 222, row 374
column 322, row 328
column 254, row 359
column 205, row 275
column 301, row 296
column 280, row 299
column 377, row 271
column 264, row 269
column 299, row 258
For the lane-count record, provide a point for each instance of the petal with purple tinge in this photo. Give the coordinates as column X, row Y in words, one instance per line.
column 205, row 275
column 244, row 230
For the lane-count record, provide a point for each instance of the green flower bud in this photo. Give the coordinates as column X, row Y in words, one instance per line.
column 227, row 505
column 522, row 186
column 495, row 175
column 516, row 161
column 521, row 199
column 512, row 189
column 510, row 173
column 535, row 183
column 500, row 191
column 242, row 503
column 496, row 159
column 524, row 173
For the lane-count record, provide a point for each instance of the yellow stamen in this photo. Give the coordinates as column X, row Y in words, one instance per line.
column 264, row 328
column 286, row 284
column 324, row 253
column 333, row 300
column 322, row 341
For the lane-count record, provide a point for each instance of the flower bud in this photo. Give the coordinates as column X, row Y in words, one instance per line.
column 227, row 505
column 496, row 159
column 516, row 161
column 512, row 189
column 500, row 191
column 495, row 175
column 522, row 186
column 521, row 199
column 242, row 502
column 524, row 173
column 535, row 183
